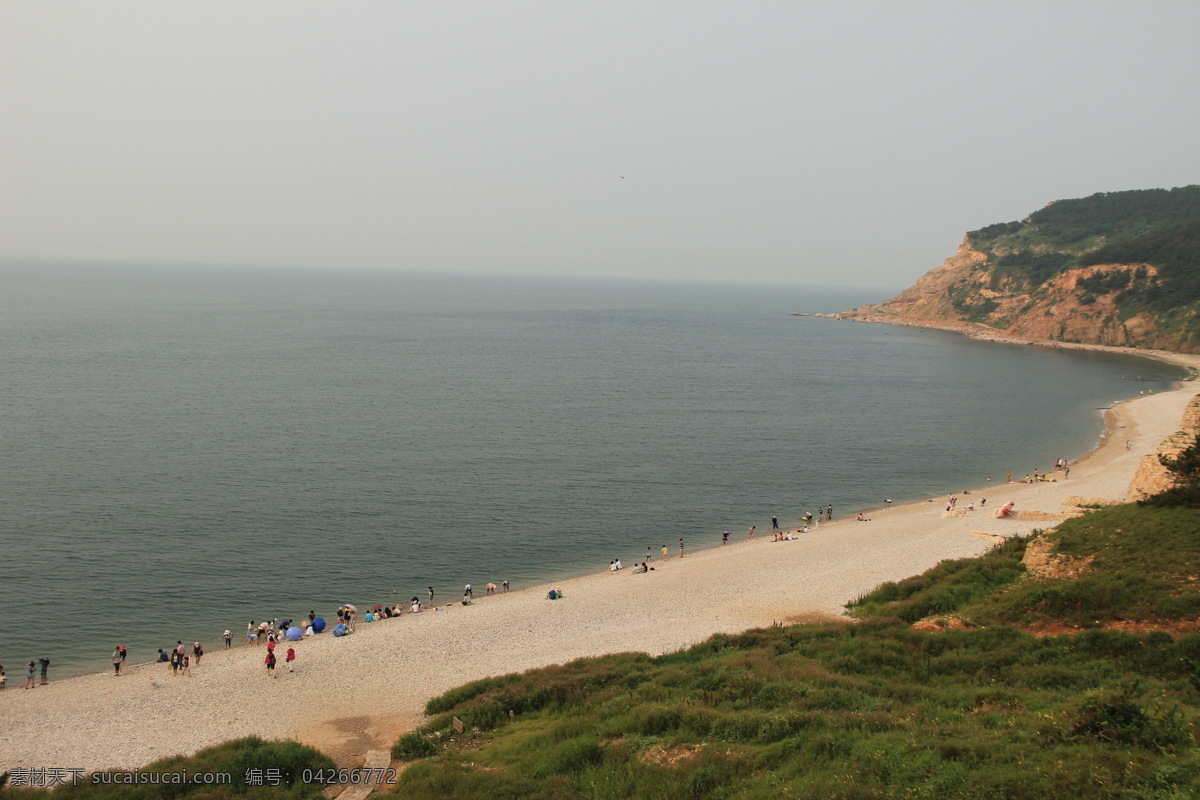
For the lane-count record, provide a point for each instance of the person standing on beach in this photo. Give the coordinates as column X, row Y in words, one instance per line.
column 291, row 657
column 774, row 523
column 468, row 592
column 681, row 548
column 270, row 662
column 648, row 556
column 30, row 671
column 430, row 596
column 665, row 552
column 504, row 586
column 116, row 662
column 45, row 662
column 197, row 652
column 829, row 513
column 228, row 639
column 750, row 533
column 725, row 537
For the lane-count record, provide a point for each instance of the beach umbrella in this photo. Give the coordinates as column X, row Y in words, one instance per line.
column 294, row 634
column 377, row 608
column 351, row 607
column 318, row 624
column 339, row 629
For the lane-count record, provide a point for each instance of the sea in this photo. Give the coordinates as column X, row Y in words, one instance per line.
column 184, row 449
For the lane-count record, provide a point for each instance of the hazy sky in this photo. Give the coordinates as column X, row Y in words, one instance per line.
column 846, row 143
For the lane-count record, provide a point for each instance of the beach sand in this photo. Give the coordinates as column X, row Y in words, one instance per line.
column 356, row 693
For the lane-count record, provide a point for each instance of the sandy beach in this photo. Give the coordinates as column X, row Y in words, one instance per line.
column 359, row 692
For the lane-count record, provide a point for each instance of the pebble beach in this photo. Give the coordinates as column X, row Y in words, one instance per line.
column 359, row 692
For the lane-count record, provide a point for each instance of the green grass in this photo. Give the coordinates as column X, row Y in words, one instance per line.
column 1145, row 568
column 873, row 709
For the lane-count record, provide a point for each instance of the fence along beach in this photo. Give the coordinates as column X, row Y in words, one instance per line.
column 359, row 692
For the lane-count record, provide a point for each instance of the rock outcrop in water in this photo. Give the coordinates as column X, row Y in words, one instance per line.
column 1119, row 268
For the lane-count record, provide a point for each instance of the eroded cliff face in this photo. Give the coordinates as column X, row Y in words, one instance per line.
column 965, row 291
column 1152, row 477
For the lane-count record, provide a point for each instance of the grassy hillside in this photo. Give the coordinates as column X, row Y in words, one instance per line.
column 873, row 709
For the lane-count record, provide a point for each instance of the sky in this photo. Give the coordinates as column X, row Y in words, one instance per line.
column 838, row 143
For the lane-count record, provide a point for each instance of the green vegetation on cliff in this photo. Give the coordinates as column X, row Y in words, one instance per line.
column 1116, row 268
column 1159, row 227
column 1074, row 227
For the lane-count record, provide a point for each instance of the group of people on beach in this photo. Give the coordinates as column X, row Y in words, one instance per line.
column 31, row 671
column 180, row 659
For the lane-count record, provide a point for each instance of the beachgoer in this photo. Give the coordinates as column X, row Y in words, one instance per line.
column 197, row 652
column 750, row 533
column 291, row 658
column 30, row 671
column 774, row 523
column 665, row 551
column 3, row 678
column 175, row 662
column 187, row 666
column 45, row 664
column 124, row 655
column 228, row 639
column 270, row 662
column 681, row 548
column 116, row 662
column 504, row 586
column 829, row 513
column 430, row 596
column 724, row 538
column 251, row 633
column 466, row 601
column 163, row 658
column 887, row 503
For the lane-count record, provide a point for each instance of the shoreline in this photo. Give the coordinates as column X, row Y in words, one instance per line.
column 708, row 535
column 985, row 334
column 360, row 692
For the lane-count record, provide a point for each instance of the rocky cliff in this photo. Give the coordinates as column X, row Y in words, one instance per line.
column 1047, row 277
column 1152, row 477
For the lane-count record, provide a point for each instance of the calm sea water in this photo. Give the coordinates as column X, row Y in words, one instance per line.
column 184, row 450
